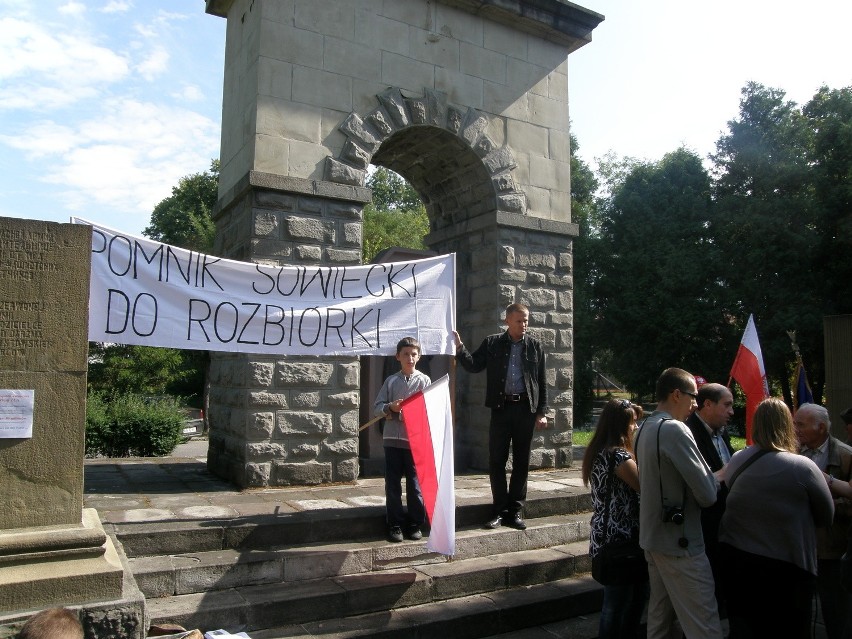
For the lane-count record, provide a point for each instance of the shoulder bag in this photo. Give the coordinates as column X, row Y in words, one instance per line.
column 618, row 562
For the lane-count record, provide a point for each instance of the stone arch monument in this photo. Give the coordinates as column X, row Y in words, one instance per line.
column 466, row 99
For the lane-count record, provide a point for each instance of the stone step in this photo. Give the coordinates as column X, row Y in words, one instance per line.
column 459, row 584
column 569, row 605
column 312, row 526
column 187, row 573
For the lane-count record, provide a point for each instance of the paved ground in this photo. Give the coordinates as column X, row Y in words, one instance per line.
column 179, row 486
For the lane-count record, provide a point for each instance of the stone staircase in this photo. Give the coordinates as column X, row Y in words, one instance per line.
column 330, row 573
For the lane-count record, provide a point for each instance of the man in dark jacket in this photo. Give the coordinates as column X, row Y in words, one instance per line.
column 516, row 393
column 708, row 424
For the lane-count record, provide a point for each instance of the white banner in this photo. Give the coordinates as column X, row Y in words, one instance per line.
column 152, row 294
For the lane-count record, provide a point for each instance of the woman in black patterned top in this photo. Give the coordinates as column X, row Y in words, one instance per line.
column 612, row 446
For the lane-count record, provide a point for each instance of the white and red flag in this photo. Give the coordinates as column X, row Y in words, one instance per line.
column 749, row 372
column 429, row 423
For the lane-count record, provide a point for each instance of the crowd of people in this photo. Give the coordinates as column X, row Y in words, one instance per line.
column 725, row 534
column 752, row 536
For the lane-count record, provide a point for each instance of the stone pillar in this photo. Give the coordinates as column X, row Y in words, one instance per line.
column 52, row 551
column 533, row 264
column 278, row 421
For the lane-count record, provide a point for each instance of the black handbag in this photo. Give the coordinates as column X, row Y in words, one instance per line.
column 620, row 562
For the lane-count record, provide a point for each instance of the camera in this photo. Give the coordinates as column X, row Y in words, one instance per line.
column 673, row 514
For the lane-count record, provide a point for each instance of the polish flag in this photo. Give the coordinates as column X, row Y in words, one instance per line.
column 749, row 372
column 429, row 423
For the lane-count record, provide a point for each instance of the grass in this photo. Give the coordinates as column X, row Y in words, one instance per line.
column 583, row 437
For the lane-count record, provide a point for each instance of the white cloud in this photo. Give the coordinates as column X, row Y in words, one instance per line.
column 189, row 93
column 128, row 157
column 73, row 9
column 154, row 64
column 117, row 6
column 52, row 70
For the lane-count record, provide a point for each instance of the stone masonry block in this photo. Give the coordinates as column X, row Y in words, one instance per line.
column 271, row 249
column 342, row 447
column 327, row 17
column 306, row 253
column 537, row 261
column 343, row 256
column 304, row 474
column 318, row 88
column 394, row 104
column 560, row 281
column 308, row 229
column 304, row 451
column 266, row 224
column 559, row 319
column 292, row 423
column 355, row 155
column 259, row 425
column 264, row 452
column 296, row 374
column 371, row 27
column 342, row 400
column 348, row 423
column 566, row 261
column 305, row 400
column 346, row 470
column 337, row 171
column 354, row 59
column 256, row 475
column 536, row 279
column 507, row 256
column 483, row 259
column 352, row 234
column 507, row 295
column 350, row 375
column 345, row 211
column 513, row 275
column 260, row 373
column 406, row 73
column 482, row 63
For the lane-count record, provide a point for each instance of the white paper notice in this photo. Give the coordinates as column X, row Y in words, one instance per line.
column 16, row 413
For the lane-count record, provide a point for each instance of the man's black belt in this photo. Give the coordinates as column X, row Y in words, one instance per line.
column 520, row 397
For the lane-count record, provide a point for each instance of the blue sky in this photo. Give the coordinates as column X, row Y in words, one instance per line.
column 106, row 104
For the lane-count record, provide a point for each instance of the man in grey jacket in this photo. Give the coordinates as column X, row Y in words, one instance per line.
column 675, row 484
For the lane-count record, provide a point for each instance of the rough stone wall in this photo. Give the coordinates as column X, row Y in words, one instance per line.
column 533, row 264
column 294, row 420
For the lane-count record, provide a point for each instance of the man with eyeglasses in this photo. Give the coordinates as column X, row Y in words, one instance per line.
column 675, row 484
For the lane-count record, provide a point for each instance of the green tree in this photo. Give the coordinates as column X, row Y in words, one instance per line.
column 829, row 119
column 395, row 217
column 659, row 300
column 767, row 230
column 584, row 213
column 185, row 217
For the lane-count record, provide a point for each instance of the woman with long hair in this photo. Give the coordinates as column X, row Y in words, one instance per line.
column 610, row 467
column 767, row 538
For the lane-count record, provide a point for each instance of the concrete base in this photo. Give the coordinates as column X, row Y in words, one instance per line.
column 54, row 566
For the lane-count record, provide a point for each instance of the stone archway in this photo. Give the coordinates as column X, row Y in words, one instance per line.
column 315, row 92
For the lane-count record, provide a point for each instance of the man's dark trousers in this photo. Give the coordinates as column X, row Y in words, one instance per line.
column 513, row 425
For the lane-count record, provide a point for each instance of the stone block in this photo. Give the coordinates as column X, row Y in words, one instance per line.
column 406, row 73
column 319, row 561
column 346, row 470
column 341, row 447
column 548, row 112
column 303, row 373
column 328, row 17
column 482, row 63
column 255, row 475
column 259, row 425
column 348, row 58
column 274, row 78
column 264, row 452
column 293, row 423
column 352, row 234
column 434, row 48
column 304, row 452
column 459, row 24
column 287, row 44
column 342, row 400
column 305, row 253
column 391, row 35
column 260, row 373
column 348, row 423
column 302, row 400
column 460, row 88
column 305, row 474
column 306, row 160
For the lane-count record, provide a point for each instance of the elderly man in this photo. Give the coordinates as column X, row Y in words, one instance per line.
column 835, row 459
column 708, row 426
column 675, row 484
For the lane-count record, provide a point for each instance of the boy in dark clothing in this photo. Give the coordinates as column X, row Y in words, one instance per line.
column 398, row 459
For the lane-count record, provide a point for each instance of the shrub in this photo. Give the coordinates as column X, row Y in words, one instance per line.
column 130, row 425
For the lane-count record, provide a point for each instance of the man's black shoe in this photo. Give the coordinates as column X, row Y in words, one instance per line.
column 515, row 521
column 494, row 523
